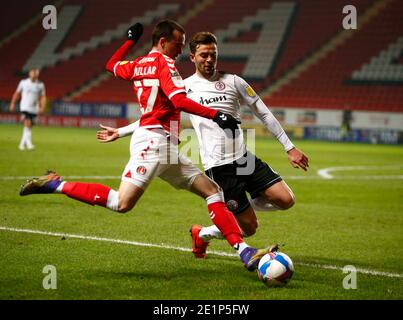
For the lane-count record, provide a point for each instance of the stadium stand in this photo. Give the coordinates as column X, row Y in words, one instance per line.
column 12, row 17
column 335, row 82
column 362, row 71
column 113, row 89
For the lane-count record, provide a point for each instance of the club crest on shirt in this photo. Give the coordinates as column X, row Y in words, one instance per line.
column 141, row 170
column 219, row 85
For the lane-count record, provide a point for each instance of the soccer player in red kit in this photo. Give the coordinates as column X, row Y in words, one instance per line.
column 161, row 95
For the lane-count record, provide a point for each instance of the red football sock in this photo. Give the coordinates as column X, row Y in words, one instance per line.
column 91, row 193
column 226, row 222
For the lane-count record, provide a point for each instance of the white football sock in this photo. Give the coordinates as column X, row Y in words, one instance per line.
column 24, row 137
column 211, row 232
column 239, row 247
column 29, row 138
column 113, row 200
column 60, row 187
column 217, row 197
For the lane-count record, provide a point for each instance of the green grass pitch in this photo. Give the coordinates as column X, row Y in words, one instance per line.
column 355, row 219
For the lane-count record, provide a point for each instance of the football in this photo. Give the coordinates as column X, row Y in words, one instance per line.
column 275, row 269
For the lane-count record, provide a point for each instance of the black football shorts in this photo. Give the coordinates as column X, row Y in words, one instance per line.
column 29, row 115
column 247, row 174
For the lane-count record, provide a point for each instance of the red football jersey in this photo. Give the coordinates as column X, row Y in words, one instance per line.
column 155, row 80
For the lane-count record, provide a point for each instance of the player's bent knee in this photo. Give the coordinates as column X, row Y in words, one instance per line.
column 205, row 187
column 213, row 188
column 287, row 202
column 125, row 207
column 249, row 231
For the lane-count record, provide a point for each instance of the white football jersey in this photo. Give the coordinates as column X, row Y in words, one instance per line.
column 30, row 94
column 225, row 92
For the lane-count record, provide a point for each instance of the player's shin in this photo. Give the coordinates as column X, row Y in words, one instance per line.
column 92, row 193
column 224, row 219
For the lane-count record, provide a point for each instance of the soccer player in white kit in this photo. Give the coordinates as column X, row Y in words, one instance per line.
column 226, row 159
column 153, row 148
column 33, row 102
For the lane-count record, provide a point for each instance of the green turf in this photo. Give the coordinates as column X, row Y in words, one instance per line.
column 350, row 220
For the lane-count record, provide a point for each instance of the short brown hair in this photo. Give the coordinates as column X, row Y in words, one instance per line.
column 203, row 37
column 165, row 29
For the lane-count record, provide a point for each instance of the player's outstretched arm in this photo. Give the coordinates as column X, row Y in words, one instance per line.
column 107, row 134
column 133, row 34
column 14, row 99
column 42, row 104
column 298, row 159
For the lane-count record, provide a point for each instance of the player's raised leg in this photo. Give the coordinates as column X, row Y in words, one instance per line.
column 122, row 200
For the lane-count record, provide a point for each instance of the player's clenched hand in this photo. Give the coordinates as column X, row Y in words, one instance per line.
column 226, row 121
column 108, row 134
column 134, row 32
column 298, row 159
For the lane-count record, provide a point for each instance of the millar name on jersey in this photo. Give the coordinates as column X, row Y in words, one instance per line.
column 143, row 71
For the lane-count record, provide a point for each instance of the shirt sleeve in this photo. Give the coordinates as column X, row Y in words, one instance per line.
column 129, row 129
column 247, row 94
column 271, row 123
column 171, row 81
column 124, row 70
column 260, row 110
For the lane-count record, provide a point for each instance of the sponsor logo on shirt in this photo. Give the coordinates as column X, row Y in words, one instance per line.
column 146, row 59
column 250, row 91
column 207, row 101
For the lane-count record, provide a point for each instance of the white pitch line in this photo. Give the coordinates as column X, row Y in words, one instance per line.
column 133, row 243
column 164, row 246
column 360, row 270
column 325, row 172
